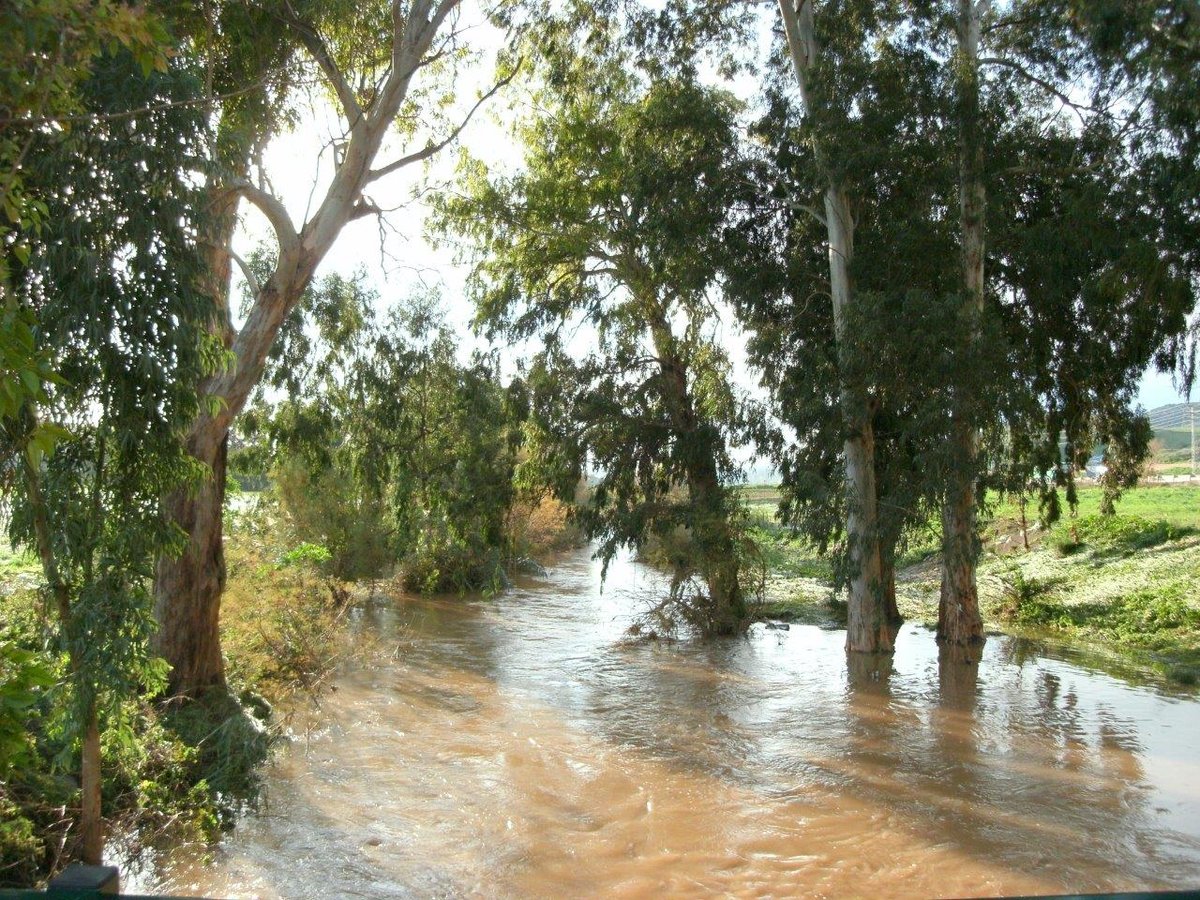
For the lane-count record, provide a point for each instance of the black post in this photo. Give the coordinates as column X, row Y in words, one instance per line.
column 78, row 880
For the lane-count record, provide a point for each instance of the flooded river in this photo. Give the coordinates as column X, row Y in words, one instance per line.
column 520, row 748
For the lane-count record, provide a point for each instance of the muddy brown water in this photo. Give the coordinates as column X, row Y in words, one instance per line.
column 520, row 748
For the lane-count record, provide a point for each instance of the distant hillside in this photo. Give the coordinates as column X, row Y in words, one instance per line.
column 1174, row 415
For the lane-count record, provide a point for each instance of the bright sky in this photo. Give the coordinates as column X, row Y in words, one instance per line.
column 399, row 257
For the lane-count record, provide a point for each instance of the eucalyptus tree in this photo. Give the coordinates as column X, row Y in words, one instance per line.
column 112, row 278
column 386, row 448
column 1060, row 146
column 379, row 62
column 830, row 62
column 615, row 227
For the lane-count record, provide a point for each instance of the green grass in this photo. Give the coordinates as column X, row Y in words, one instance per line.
column 1125, row 587
column 16, row 563
column 1175, row 504
column 1126, row 583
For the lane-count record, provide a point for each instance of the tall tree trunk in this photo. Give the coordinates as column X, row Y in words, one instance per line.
column 868, row 625
column 188, row 588
column 868, row 628
column 959, row 620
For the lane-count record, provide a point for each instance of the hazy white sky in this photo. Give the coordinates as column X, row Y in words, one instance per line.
column 399, row 257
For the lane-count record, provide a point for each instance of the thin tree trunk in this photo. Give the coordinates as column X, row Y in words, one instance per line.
column 959, row 619
column 868, row 628
column 887, row 558
column 91, row 821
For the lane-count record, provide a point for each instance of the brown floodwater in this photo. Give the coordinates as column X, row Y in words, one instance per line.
column 519, row 747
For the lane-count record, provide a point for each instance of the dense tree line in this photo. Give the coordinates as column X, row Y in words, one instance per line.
column 385, row 448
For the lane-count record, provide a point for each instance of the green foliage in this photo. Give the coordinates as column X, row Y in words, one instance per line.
column 311, row 554
column 47, row 51
column 1151, row 618
column 112, row 281
column 388, row 450
column 1113, row 535
column 614, row 228
column 24, row 675
column 164, row 776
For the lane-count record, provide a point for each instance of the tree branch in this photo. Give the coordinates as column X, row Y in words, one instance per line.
column 272, row 208
column 315, row 45
column 247, row 272
column 432, row 149
column 1034, row 79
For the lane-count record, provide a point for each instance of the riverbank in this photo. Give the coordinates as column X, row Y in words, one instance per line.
column 173, row 773
column 181, row 773
column 1124, row 586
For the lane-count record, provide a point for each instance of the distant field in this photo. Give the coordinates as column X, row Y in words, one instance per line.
column 760, row 493
column 1176, row 504
column 1174, row 438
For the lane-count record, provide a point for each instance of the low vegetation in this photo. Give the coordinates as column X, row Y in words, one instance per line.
column 172, row 772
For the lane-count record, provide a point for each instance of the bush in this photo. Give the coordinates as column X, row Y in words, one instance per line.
column 444, row 561
column 326, row 511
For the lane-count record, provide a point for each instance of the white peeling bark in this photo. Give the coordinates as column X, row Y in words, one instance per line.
column 869, row 627
column 188, row 588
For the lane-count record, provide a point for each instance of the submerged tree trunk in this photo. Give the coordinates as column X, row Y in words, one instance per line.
column 868, row 627
column 719, row 551
column 711, row 532
column 959, row 620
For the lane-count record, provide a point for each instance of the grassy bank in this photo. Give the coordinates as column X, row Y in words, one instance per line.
column 172, row 772
column 1127, row 584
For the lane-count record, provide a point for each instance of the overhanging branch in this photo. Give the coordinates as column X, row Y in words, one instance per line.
column 315, row 45
column 435, row 148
